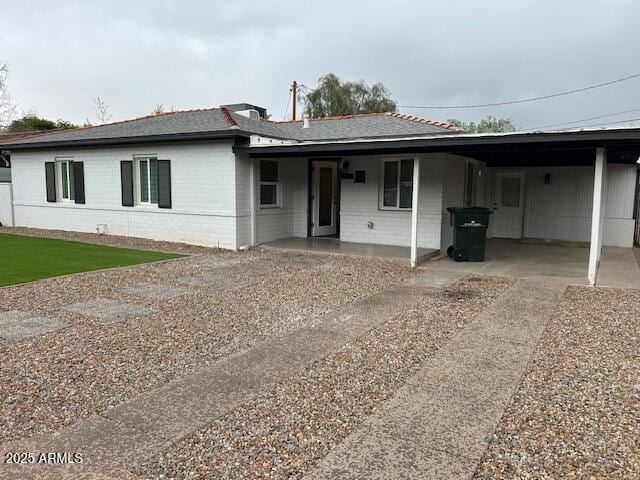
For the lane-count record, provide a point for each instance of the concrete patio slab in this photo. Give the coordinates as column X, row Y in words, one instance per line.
column 334, row 245
column 152, row 291
column 16, row 326
column 108, row 311
column 439, row 424
column 539, row 261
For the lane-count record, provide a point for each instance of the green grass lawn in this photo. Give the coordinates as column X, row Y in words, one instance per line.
column 25, row 259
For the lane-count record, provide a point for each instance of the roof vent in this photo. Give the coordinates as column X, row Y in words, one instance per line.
column 243, row 107
column 252, row 114
column 305, row 120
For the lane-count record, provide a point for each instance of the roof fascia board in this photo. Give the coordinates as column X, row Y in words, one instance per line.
column 180, row 137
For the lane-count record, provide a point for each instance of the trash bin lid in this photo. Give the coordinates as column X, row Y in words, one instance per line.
column 470, row 210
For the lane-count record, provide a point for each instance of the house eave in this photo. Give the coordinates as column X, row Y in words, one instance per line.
column 451, row 143
column 98, row 142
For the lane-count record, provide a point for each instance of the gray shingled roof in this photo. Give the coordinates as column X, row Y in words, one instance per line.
column 361, row 126
column 220, row 122
column 196, row 121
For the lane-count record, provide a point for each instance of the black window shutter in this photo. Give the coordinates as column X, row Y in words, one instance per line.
column 50, row 180
column 78, row 180
column 164, row 183
column 126, row 182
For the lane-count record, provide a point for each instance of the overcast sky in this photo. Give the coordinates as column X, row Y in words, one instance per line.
column 199, row 54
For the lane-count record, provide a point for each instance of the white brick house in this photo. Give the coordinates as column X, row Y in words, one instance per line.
column 230, row 179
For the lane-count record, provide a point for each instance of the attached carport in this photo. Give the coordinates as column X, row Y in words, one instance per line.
column 596, row 148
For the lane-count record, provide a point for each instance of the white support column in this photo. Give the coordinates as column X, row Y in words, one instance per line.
column 252, row 200
column 414, row 212
column 597, row 215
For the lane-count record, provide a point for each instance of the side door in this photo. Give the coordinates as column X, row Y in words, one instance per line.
column 508, row 208
column 325, row 198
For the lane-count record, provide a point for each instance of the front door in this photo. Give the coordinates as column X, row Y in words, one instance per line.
column 324, row 198
column 509, row 205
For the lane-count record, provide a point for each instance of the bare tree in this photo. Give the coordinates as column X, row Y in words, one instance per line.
column 7, row 108
column 158, row 109
column 102, row 110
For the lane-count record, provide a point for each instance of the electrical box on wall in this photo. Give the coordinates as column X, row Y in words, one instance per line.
column 360, row 176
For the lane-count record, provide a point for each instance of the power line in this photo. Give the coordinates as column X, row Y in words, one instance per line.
column 605, row 123
column 286, row 109
column 533, row 99
column 585, row 119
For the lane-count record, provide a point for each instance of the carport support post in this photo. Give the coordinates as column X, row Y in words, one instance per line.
column 414, row 212
column 597, row 215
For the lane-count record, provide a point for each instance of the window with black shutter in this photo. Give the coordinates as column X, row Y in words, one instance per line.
column 164, row 183
column 78, row 181
column 126, row 182
column 50, row 180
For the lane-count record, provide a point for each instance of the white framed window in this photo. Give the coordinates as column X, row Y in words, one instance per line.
column 269, row 187
column 147, row 180
column 396, row 184
column 66, row 184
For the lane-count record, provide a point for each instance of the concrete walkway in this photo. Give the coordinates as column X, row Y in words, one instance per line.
column 439, row 424
column 618, row 268
column 124, row 436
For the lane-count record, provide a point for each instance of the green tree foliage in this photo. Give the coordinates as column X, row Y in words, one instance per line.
column 333, row 97
column 488, row 124
column 32, row 122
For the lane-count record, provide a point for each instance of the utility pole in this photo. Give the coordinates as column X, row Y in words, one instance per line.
column 294, row 99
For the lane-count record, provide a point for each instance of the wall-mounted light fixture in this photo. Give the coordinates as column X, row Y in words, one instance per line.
column 547, row 179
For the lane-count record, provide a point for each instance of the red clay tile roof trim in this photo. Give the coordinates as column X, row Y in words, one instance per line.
column 413, row 118
column 227, row 116
column 410, row 118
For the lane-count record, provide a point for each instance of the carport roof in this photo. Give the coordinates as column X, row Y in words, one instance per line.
column 572, row 147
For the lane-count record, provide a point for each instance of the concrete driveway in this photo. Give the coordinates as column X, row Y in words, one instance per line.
column 548, row 262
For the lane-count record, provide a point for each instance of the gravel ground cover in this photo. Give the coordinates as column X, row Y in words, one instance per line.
column 53, row 380
column 286, row 429
column 576, row 413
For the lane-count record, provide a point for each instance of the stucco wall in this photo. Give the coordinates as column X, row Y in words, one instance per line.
column 203, row 178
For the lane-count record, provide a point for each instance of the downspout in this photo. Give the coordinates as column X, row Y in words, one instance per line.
column 252, row 201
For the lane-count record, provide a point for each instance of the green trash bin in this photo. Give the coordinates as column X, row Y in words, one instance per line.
column 469, row 233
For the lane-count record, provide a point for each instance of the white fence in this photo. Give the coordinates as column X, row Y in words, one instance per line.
column 6, row 207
